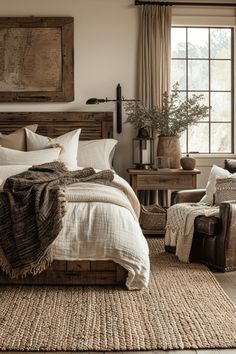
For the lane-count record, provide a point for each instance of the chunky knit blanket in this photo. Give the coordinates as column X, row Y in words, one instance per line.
column 32, row 205
column 180, row 226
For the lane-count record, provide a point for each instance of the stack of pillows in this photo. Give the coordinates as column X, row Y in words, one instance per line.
column 24, row 148
column 221, row 185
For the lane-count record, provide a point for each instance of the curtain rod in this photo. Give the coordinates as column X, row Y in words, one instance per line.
column 182, row 3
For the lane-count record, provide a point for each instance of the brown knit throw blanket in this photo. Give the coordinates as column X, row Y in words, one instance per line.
column 31, row 211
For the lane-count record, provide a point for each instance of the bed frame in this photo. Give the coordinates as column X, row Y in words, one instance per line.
column 95, row 125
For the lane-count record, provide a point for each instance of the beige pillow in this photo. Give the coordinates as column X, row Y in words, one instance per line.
column 216, row 172
column 14, row 157
column 68, row 142
column 96, row 153
column 17, row 139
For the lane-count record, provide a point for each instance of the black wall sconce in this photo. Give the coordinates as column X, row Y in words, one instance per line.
column 118, row 101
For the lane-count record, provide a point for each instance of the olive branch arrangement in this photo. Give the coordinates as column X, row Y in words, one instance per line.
column 172, row 118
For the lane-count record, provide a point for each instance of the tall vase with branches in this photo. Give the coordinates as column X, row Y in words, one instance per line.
column 170, row 120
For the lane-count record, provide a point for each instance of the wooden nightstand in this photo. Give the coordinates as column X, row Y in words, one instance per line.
column 162, row 181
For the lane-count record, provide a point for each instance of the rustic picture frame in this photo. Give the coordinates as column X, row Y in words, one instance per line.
column 37, row 59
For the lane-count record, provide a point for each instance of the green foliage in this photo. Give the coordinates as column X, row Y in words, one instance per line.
column 172, row 118
column 138, row 115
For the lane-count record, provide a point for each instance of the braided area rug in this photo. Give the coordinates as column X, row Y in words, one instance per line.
column 184, row 307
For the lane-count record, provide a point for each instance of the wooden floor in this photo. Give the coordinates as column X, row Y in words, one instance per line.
column 228, row 283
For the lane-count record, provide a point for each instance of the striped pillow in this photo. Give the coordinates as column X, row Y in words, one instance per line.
column 225, row 190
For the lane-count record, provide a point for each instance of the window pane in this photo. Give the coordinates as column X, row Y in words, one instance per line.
column 178, row 73
column 178, row 42
column 220, row 75
column 204, row 101
column 198, row 42
column 183, row 95
column 202, row 64
column 198, row 74
column 220, row 43
column 198, row 138
column 183, row 142
column 221, row 106
column 220, row 137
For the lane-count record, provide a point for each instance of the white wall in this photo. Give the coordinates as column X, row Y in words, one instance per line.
column 106, row 34
column 105, row 55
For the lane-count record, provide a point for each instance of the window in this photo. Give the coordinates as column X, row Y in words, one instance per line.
column 202, row 63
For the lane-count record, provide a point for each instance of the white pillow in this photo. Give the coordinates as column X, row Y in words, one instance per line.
column 11, row 170
column 68, row 141
column 15, row 157
column 216, row 172
column 96, row 153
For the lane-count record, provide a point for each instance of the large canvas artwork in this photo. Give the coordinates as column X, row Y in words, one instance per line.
column 36, row 59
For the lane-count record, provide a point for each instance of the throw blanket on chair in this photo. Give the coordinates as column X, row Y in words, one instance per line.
column 32, row 205
column 180, row 226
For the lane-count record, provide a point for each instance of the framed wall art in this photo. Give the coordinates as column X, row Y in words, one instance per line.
column 36, row 59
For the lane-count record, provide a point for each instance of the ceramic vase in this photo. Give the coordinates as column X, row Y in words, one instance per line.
column 169, row 146
column 188, row 163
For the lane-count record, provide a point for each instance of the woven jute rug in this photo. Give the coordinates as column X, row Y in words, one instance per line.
column 184, row 307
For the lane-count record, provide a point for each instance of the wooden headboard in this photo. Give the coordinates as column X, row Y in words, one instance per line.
column 94, row 125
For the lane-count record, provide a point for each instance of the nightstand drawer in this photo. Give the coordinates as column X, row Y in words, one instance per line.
column 165, row 182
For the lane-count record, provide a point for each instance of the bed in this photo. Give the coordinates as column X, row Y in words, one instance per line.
column 94, row 125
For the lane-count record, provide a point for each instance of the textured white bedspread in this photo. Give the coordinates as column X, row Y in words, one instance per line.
column 104, row 230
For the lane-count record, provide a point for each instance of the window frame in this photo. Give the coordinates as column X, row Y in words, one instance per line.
column 231, row 91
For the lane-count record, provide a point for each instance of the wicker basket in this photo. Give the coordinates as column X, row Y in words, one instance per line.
column 153, row 217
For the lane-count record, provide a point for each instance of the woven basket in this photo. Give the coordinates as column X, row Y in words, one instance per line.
column 153, row 217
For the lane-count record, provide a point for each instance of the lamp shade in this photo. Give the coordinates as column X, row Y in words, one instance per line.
column 143, row 150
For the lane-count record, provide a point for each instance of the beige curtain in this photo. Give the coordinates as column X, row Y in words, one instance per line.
column 154, row 53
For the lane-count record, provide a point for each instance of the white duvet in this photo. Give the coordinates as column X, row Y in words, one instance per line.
column 101, row 223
